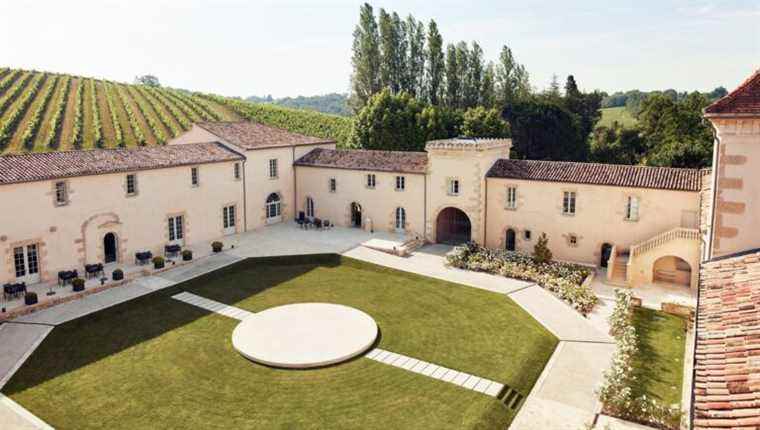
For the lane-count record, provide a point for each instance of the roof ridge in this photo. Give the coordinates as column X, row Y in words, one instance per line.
column 732, row 95
column 592, row 163
column 117, row 149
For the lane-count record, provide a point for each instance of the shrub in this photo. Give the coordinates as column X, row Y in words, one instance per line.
column 541, row 252
column 217, row 246
column 563, row 279
column 187, row 255
column 30, row 298
column 117, row 275
column 158, row 262
column 77, row 284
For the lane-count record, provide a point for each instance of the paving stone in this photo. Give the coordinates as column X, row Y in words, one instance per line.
column 461, row 378
column 430, row 369
column 482, row 385
column 372, row 354
column 410, row 363
column 420, row 366
column 494, row 389
column 471, row 382
column 439, row 372
column 450, row 376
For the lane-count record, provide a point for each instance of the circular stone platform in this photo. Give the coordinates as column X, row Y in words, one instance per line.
column 305, row 335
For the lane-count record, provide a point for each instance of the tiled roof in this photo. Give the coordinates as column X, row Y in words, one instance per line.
column 664, row 178
column 64, row 164
column 744, row 100
column 358, row 159
column 252, row 135
column 727, row 356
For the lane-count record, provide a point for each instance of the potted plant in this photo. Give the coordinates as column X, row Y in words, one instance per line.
column 117, row 275
column 187, row 255
column 217, row 246
column 30, row 298
column 158, row 262
column 77, row 284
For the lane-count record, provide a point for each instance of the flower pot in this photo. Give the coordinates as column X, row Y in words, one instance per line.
column 77, row 285
column 158, row 265
column 117, row 275
column 30, row 298
column 187, row 255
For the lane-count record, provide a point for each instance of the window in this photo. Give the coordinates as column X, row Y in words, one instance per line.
column 573, row 240
column 400, row 183
column 176, row 229
column 273, row 168
column 19, row 263
column 568, row 203
column 453, row 187
column 309, row 207
column 228, row 217
column 527, row 234
column 237, row 171
column 400, row 219
column 511, row 197
column 333, row 185
column 273, row 208
column 131, row 185
column 61, row 193
column 371, row 181
column 632, row 209
column 194, row 176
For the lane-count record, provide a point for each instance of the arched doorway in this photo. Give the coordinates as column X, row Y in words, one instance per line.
column 400, row 220
column 109, row 248
column 273, row 209
column 510, row 240
column 606, row 254
column 672, row 270
column 453, row 227
column 356, row 215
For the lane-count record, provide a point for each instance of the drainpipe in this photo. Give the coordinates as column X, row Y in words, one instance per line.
column 245, row 198
column 485, row 212
column 295, row 183
column 714, row 193
column 424, row 210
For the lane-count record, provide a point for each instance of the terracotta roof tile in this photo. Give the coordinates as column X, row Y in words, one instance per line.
column 664, row 178
column 253, row 135
column 727, row 364
column 64, row 164
column 745, row 100
column 358, row 159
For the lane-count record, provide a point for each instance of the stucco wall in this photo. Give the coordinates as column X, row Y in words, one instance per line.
column 72, row 235
column 469, row 165
column 641, row 269
column 378, row 204
column 737, row 191
column 599, row 217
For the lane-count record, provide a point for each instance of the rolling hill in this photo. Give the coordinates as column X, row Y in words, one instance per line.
column 41, row 111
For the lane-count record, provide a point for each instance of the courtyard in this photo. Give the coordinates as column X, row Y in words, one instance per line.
column 157, row 361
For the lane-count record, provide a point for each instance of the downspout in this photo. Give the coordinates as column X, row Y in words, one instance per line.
column 424, row 209
column 485, row 212
column 714, row 193
column 295, row 184
column 245, row 198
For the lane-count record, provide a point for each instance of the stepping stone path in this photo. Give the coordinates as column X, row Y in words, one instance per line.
column 213, row 306
column 464, row 380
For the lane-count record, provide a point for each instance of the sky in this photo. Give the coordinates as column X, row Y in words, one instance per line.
column 290, row 48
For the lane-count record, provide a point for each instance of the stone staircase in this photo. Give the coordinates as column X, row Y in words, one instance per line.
column 619, row 271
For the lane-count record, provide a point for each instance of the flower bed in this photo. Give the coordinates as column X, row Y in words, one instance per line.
column 566, row 280
column 616, row 392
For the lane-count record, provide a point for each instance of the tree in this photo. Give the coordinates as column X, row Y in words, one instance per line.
column 553, row 90
column 544, row 129
column 390, row 55
column 415, row 70
column 434, row 64
column 488, row 87
column 511, row 78
column 365, row 79
column 147, row 80
column 453, row 82
column 674, row 132
column 541, row 252
column 390, row 122
column 473, row 76
column 482, row 122
column 617, row 145
column 585, row 105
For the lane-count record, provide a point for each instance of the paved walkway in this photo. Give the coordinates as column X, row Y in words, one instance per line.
column 213, row 306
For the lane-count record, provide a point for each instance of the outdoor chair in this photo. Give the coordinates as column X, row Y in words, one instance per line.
column 301, row 220
column 93, row 270
column 11, row 291
column 142, row 258
column 318, row 223
column 172, row 250
column 66, row 276
column 326, row 223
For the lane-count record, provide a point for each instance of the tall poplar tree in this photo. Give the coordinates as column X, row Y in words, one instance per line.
column 488, row 87
column 415, row 69
column 453, row 82
column 434, row 65
column 365, row 79
column 473, row 77
column 511, row 78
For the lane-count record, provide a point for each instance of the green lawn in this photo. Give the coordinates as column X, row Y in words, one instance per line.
column 659, row 366
column 160, row 363
column 619, row 114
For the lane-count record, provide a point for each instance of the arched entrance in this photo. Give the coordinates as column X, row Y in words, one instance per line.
column 672, row 270
column 510, row 240
column 606, row 253
column 453, row 227
column 356, row 215
column 109, row 248
column 273, row 209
